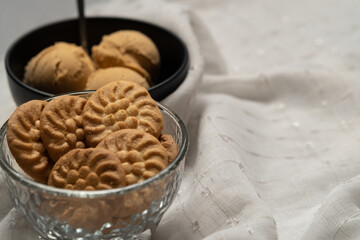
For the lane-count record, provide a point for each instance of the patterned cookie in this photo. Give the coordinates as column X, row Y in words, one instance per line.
column 142, row 156
column 170, row 145
column 25, row 144
column 120, row 105
column 87, row 169
column 61, row 125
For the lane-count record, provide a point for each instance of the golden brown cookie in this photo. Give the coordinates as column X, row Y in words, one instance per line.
column 92, row 213
column 61, row 125
column 88, row 169
column 86, row 213
column 25, row 144
column 130, row 49
column 59, row 68
column 120, row 105
column 103, row 76
column 142, row 156
column 170, row 145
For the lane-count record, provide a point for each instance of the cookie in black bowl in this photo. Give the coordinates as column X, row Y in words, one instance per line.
column 173, row 53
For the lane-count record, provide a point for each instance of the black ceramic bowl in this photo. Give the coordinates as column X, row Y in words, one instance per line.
column 173, row 52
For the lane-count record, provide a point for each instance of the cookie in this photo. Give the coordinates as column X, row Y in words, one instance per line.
column 59, row 68
column 25, row 144
column 170, row 145
column 142, row 156
column 101, row 77
column 61, row 125
column 130, row 49
column 86, row 213
column 120, row 105
column 87, row 169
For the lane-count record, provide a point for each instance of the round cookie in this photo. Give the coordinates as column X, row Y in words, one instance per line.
column 120, row 105
column 103, row 76
column 61, row 125
column 87, row 169
column 142, row 156
column 170, row 145
column 89, row 214
column 130, row 49
column 25, row 144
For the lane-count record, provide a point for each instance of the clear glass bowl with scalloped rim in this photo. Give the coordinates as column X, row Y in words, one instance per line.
column 120, row 213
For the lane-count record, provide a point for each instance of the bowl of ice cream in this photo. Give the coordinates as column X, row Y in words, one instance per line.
column 38, row 56
column 63, row 207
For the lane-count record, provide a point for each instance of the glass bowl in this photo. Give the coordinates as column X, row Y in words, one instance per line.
column 120, row 213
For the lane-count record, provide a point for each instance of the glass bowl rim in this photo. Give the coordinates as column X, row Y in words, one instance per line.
column 15, row 175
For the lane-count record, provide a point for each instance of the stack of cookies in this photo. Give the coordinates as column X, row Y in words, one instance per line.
column 122, row 55
column 110, row 140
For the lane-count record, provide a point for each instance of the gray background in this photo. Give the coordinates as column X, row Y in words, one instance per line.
column 20, row 16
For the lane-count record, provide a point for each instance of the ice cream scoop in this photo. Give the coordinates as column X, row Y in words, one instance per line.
column 62, row 67
column 103, row 76
column 128, row 48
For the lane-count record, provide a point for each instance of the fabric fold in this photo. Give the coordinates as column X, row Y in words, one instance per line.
column 339, row 215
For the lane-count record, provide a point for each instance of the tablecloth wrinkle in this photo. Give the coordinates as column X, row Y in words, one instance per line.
column 210, row 204
column 271, row 102
column 339, row 216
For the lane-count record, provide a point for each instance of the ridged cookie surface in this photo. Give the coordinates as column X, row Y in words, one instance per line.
column 61, row 125
column 142, row 156
column 88, row 169
column 25, row 144
column 120, row 105
column 170, row 145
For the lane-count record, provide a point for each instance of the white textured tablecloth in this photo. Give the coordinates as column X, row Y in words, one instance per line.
column 272, row 103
